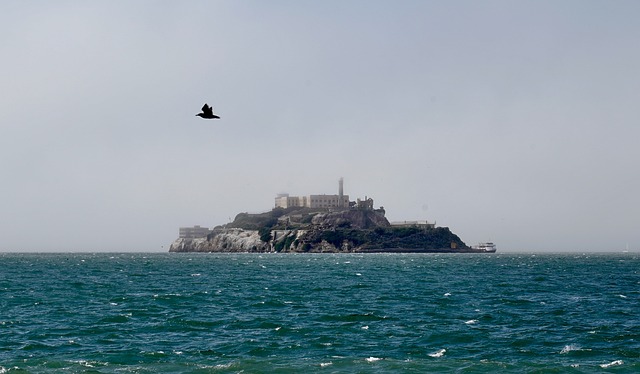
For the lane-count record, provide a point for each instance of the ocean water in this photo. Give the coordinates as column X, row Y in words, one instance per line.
column 324, row 313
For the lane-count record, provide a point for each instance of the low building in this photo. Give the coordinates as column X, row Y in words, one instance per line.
column 328, row 201
column 194, row 232
column 418, row 224
column 283, row 200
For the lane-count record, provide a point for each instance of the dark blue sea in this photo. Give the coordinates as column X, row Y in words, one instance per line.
column 319, row 313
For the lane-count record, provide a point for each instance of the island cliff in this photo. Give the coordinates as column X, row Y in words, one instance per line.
column 318, row 230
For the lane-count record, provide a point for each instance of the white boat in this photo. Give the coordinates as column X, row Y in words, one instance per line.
column 485, row 247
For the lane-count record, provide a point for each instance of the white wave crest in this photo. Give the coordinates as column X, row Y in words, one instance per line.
column 568, row 348
column 613, row 363
column 85, row 363
column 217, row 367
column 438, row 353
column 572, row 347
column 373, row 359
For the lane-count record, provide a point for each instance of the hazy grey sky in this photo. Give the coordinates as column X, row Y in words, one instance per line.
column 511, row 121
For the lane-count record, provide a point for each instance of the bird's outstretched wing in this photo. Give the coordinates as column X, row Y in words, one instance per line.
column 206, row 109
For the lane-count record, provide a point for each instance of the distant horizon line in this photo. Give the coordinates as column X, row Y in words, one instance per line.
column 500, row 252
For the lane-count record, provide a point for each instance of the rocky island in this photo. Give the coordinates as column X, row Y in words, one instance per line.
column 307, row 230
column 320, row 224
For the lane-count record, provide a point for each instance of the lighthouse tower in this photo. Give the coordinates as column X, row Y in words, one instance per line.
column 341, row 192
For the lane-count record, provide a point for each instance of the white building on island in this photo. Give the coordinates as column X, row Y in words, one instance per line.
column 340, row 200
column 418, row 224
column 194, row 232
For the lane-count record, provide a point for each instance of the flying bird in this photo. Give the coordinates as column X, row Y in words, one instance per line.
column 207, row 112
